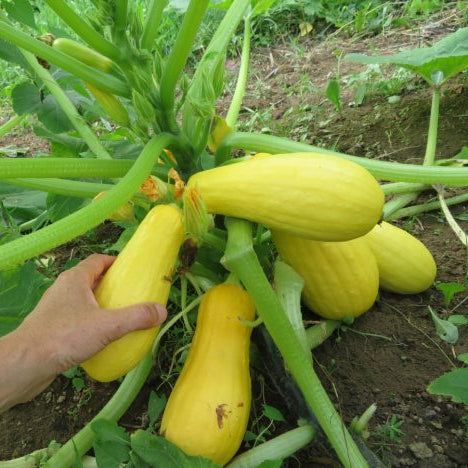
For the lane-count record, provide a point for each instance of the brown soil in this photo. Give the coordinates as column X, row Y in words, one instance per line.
column 392, row 352
column 22, row 142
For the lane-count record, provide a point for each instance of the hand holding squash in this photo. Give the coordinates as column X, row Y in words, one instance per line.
column 66, row 327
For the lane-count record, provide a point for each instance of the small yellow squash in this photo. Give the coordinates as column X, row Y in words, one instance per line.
column 340, row 278
column 405, row 264
column 142, row 272
column 208, row 410
column 311, row 195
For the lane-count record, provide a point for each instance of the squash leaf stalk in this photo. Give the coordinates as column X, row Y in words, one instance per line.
column 68, row 108
column 152, row 22
column 178, row 58
column 278, row 448
column 79, row 222
column 391, row 171
column 98, row 78
column 65, row 167
column 84, row 30
column 241, row 259
column 238, row 96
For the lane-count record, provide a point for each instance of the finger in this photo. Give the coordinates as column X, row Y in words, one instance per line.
column 119, row 322
column 93, row 267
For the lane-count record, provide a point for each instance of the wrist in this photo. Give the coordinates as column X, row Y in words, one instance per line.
column 28, row 367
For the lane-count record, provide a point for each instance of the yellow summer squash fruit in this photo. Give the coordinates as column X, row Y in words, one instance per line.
column 405, row 264
column 142, row 272
column 208, row 410
column 341, row 279
column 310, row 195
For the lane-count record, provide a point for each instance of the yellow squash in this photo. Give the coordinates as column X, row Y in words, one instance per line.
column 142, row 272
column 208, row 410
column 340, row 278
column 311, row 195
column 405, row 264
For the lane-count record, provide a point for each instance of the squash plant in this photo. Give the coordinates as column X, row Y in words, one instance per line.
column 162, row 122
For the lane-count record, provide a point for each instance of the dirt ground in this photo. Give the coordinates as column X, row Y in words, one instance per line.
column 392, row 352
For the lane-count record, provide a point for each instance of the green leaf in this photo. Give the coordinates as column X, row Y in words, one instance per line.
column 109, row 431
column 156, row 405
column 21, row 11
column 447, row 331
column 463, row 358
column 20, row 291
column 12, row 54
column 22, row 204
column 272, row 413
column 333, row 93
column 52, row 116
column 73, row 145
column 449, row 290
column 137, row 462
column 463, row 154
column 60, row 206
column 453, row 384
column 110, row 454
column 458, row 319
column 448, row 56
column 25, row 98
column 150, row 447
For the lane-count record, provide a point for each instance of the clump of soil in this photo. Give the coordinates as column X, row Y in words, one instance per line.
column 391, row 353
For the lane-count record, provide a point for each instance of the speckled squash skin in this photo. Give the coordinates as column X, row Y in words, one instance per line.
column 208, row 410
column 405, row 264
column 142, row 272
column 311, row 195
column 340, row 278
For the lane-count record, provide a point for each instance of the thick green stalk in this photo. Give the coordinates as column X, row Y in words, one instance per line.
column 403, row 187
column 456, row 228
column 153, row 20
column 178, row 58
column 11, row 124
column 120, row 17
column 224, row 31
column 288, row 287
column 102, row 80
column 84, row 30
column 33, row 460
column 81, row 442
column 278, row 448
column 401, row 201
column 398, row 203
column 63, row 167
column 241, row 259
column 68, row 108
column 425, row 207
column 81, row 221
column 238, row 96
column 395, row 172
column 318, row 333
column 431, row 143
column 70, row 188
column 39, row 168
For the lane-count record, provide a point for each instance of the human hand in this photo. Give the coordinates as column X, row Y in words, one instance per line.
column 67, row 327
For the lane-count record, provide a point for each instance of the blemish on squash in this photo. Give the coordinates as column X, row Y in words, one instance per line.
column 240, row 405
column 221, row 414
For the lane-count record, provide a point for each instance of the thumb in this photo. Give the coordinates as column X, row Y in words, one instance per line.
column 119, row 322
